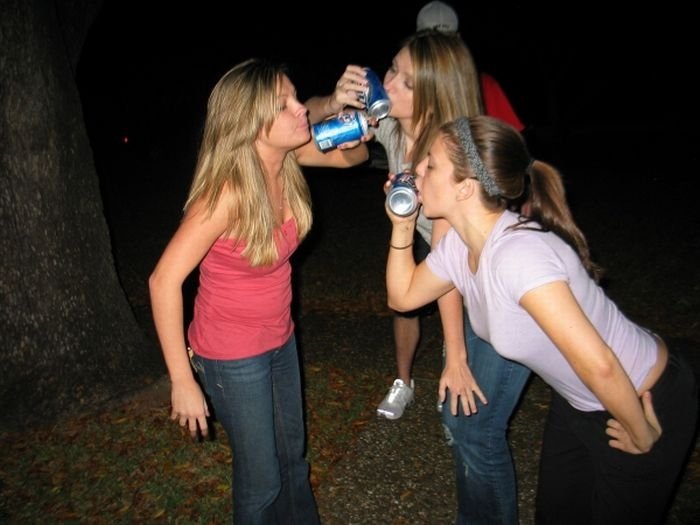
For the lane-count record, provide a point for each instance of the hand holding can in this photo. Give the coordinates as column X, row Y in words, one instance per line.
column 346, row 127
column 375, row 97
column 402, row 197
column 349, row 89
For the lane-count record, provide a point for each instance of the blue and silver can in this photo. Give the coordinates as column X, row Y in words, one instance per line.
column 346, row 127
column 402, row 197
column 375, row 97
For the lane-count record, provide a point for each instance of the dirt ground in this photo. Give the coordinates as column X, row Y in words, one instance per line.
column 641, row 228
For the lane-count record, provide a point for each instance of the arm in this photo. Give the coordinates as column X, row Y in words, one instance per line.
column 409, row 286
column 556, row 310
column 310, row 155
column 456, row 376
column 351, row 81
column 186, row 249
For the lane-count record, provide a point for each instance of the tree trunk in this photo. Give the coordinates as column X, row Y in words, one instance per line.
column 71, row 340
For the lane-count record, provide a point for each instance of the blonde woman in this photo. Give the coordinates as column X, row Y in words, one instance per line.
column 247, row 211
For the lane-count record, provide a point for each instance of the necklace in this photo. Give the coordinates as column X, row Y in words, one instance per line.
column 282, row 195
column 277, row 203
column 279, row 208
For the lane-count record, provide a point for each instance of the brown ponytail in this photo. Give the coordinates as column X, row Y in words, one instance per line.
column 507, row 162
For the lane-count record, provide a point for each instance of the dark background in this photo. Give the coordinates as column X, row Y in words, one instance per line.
column 609, row 97
column 147, row 70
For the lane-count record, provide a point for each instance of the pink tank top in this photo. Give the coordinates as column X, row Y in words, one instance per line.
column 241, row 311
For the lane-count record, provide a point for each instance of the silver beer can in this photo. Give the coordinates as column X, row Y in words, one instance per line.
column 402, row 197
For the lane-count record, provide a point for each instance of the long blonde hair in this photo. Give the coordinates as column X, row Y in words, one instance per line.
column 445, row 84
column 244, row 102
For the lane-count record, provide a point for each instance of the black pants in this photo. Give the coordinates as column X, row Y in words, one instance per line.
column 582, row 480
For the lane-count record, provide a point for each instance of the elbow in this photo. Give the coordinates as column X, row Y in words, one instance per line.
column 155, row 283
column 396, row 299
column 396, row 306
column 355, row 156
column 606, row 370
column 599, row 376
column 365, row 155
column 152, row 284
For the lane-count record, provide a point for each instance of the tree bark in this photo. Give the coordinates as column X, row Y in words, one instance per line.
column 71, row 340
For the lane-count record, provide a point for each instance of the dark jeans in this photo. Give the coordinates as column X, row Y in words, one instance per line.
column 484, row 470
column 583, row 480
column 258, row 401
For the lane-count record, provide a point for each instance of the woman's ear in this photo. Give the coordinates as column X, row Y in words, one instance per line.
column 465, row 189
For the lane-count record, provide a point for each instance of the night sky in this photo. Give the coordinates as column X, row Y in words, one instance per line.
column 146, row 72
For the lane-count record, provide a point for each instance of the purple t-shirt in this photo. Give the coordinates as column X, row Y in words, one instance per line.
column 514, row 262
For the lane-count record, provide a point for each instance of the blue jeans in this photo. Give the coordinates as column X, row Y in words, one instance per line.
column 486, row 486
column 258, row 401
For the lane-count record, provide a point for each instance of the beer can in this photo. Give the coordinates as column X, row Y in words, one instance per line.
column 374, row 96
column 346, row 127
column 402, row 197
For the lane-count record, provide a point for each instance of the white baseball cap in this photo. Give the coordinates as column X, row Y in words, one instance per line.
column 437, row 15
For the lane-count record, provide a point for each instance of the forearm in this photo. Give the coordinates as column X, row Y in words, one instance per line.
column 322, row 107
column 456, row 376
column 556, row 310
column 400, row 264
column 451, row 307
column 617, row 394
column 452, row 319
column 310, row 155
column 350, row 83
column 167, row 308
column 188, row 404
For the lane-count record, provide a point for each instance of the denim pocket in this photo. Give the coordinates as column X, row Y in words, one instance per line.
column 197, row 364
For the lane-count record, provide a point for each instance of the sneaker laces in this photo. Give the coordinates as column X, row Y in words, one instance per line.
column 397, row 390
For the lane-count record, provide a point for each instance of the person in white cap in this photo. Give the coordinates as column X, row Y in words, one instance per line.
column 488, row 493
column 478, row 432
column 432, row 73
column 437, row 15
column 484, row 469
column 441, row 16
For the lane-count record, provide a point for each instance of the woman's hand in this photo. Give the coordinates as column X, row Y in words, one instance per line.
column 189, row 407
column 397, row 219
column 622, row 440
column 350, row 84
column 463, row 388
column 354, row 143
column 633, row 426
column 389, row 181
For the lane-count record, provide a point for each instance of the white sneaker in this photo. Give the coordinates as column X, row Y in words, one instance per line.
column 399, row 397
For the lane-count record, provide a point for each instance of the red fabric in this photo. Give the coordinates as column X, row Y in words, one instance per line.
column 496, row 104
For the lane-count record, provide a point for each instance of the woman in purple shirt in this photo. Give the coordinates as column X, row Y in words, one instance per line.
column 624, row 408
